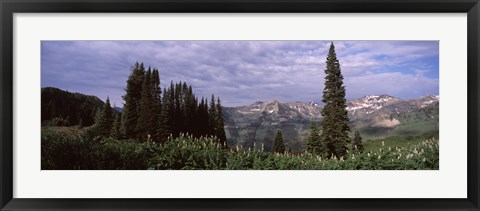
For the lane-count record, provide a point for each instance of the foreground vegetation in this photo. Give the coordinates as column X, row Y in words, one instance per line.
column 69, row 151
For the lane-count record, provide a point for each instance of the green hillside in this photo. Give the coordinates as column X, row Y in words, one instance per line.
column 63, row 108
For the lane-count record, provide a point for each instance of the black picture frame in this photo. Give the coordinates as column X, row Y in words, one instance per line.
column 10, row 7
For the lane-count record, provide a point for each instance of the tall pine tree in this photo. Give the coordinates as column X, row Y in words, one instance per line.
column 146, row 117
column 177, row 112
column 195, row 119
column 132, row 100
column 278, row 145
column 219, row 124
column 157, row 105
column 106, row 119
column 203, row 118
column 166, row 115
column 212, row 116
column 335, row 120
column 189, row 110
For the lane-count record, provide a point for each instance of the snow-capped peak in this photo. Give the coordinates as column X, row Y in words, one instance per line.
column 378, row 98
column 371, row 102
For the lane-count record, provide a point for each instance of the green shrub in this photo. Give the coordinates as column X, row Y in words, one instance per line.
column 63, row 152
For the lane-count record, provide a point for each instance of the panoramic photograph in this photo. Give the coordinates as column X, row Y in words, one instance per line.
column 240, row 105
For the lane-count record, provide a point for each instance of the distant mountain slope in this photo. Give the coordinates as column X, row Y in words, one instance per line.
column 257, row 123
column 63, row 108
column 369, row 104
column 390, row 116
column 376, row 116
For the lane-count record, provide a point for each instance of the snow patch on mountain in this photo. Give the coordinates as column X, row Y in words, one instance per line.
column 428, row 100
column 310, row 109
column 371, row 103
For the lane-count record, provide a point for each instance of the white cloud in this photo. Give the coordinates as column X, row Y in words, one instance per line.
column 243, row 71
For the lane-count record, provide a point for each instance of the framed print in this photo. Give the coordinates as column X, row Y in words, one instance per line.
column 239, row 105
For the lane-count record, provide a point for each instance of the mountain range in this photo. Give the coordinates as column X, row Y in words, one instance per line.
column 375, row 116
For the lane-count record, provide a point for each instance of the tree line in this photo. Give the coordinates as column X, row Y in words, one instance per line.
column 150, row 113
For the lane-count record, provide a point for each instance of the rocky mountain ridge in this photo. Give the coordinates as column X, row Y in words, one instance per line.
column 376, row 116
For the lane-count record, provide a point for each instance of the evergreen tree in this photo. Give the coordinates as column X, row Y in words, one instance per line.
column 132, row 100
column 195, row 119
column 115, row 133
column 189, row 110
column 177, row 112
column 219, row 124
column 105, row 121
column 357, row 142
column 94, row 117
column 278, row 145
column 145, row 120
column 314, row 142
column 183, row 107
column 203, row 118
column 335, row 120
column 122, row 127
column 157, row 105
column 212, row 117
column 167, row 117
column 98, row 116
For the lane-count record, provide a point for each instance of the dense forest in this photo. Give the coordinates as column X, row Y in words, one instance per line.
column 171, row 128
column 62, row 108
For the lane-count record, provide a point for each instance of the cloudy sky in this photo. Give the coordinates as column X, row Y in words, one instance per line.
column 242, row 72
